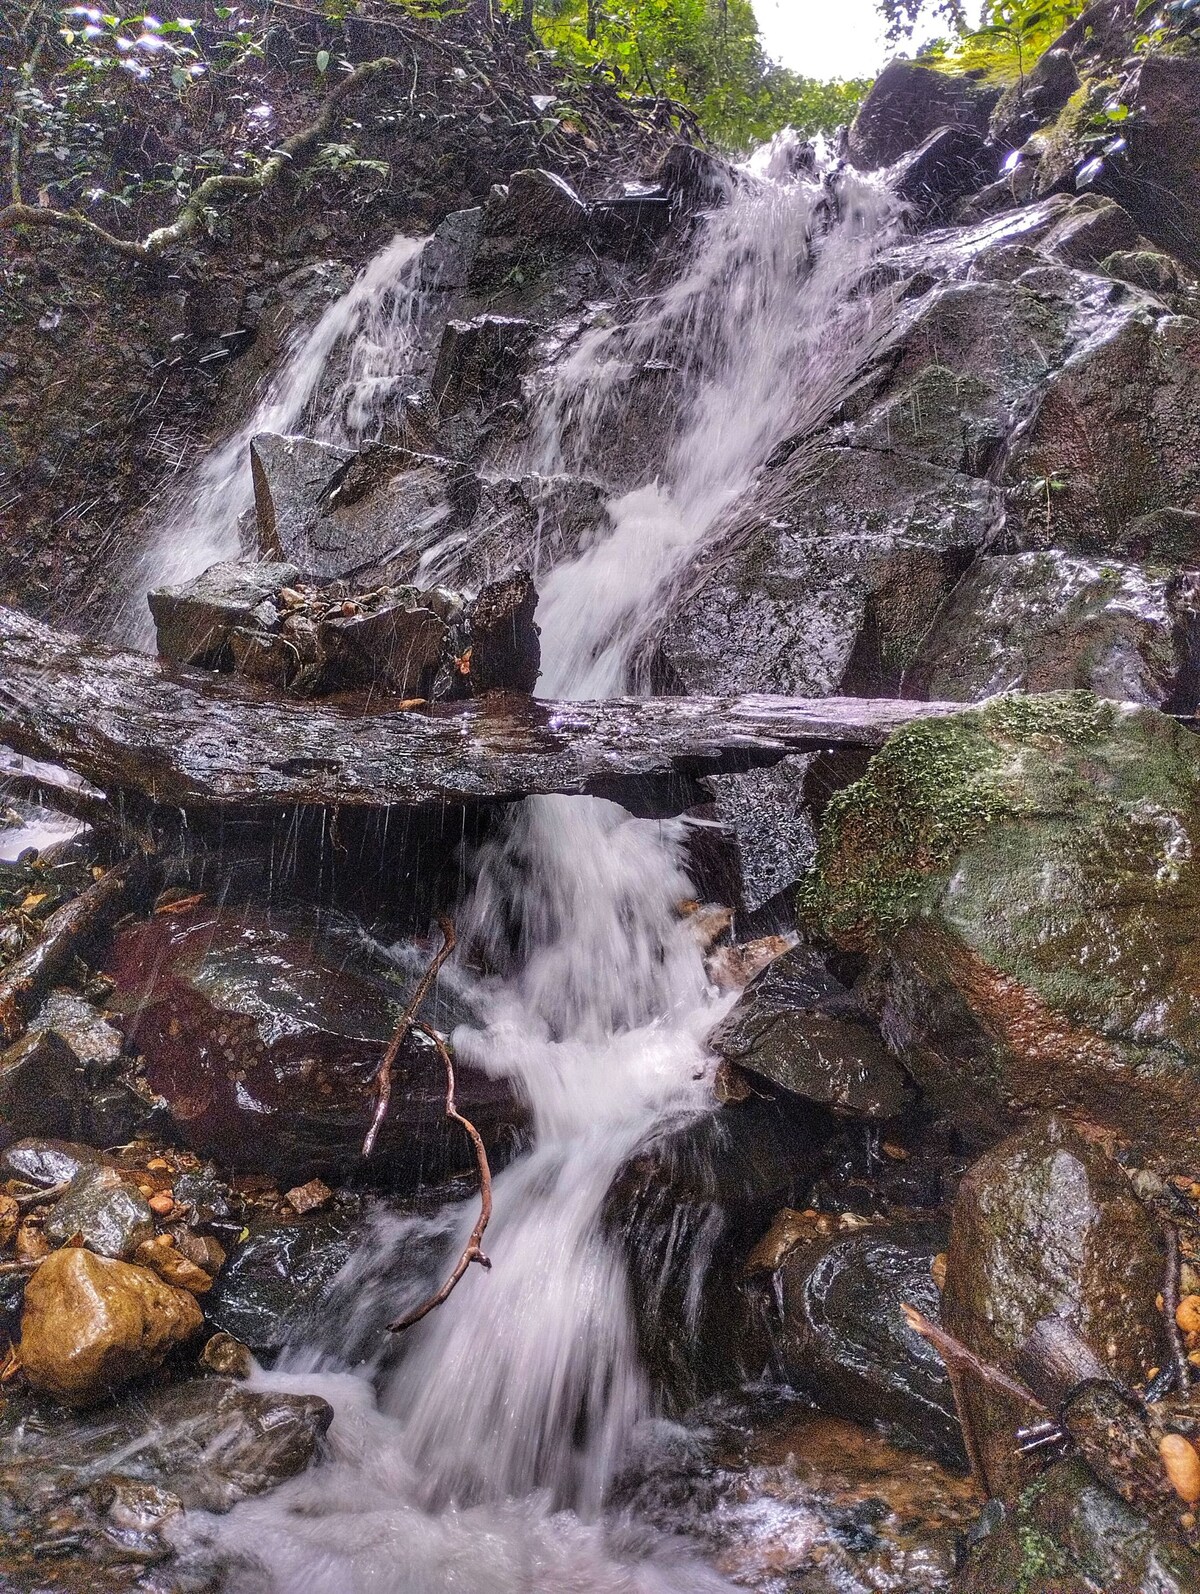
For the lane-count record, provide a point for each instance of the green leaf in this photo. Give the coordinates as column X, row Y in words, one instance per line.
column 322, row 60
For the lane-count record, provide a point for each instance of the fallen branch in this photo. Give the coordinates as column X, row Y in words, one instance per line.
column 383, row 1074
column 63, row 933
column 202, row 198
column 472, row 1251
column 953, row 1351
column 1170, row 1300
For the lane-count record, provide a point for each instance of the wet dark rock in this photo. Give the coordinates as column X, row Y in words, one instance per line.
column 1166, row 536
column 1036, row 96
column 110, row 1215
column 951, row 163
column 1067, row 1534
column 1050, row 622
column 627, row 217
column 506, row 654
column 397, row 647
column 800, row 1029
column 843, row 1338
column 1116, row 436
column 1025, row 879
column 480, row 361
column 688, row 1210
column 45, row 1162
column 196, row 619
column 695, row 178
column 1047, row 1226
column 207, row 1198
column 1157, row 183
column 906, row 103
column 41, row 1087
column 271, row 1290
column 333, row 513
column 265, row 1045
column 73, row 1019
column 108, row 1486
column 537, row 205
column 1091, row 229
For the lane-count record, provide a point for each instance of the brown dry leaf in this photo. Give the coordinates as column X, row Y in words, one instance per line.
column 1182, row 1466
column 178, row 904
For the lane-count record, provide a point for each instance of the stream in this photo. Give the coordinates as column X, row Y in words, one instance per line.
column 486, row 1459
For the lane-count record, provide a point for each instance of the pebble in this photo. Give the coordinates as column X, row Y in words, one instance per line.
column 162, row 1204
column 1187, row 1314
column 1182, row 1465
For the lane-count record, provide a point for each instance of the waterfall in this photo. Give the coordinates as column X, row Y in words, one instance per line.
column 486, row 1464
column 336, row 381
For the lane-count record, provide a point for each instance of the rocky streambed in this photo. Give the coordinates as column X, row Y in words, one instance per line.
column 842, row 1113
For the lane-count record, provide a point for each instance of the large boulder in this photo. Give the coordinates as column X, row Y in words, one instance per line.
column 1025, row 877
column 1115, row 437
column 1067, row 1534
column 263, row 1041
column 1046, row 1225
column 1159, row 183
column 844, row 1340
column 196, row 619
column 110, row 1487
column 906, row 103
column 1053, row 622
column 107, row 1213
column 801, row 1030
column 91, row 1324
column 950, row 164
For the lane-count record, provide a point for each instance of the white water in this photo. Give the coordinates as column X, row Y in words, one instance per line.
column 337, row 379
column 485, row 1463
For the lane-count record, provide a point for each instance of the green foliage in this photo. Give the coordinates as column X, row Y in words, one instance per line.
column 706, row 54
column 1011, row 37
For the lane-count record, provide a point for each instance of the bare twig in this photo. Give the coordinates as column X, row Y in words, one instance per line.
column 202, row 198
column 62, row 934
column 954, row 1352
column 472, row 1251
column 39, row 1198
column 1170, row 1299
column 24, row 1266
column 383, row 1074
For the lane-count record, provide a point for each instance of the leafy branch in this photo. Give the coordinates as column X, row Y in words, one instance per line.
column 200, row 203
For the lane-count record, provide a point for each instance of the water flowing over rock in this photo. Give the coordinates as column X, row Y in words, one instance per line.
column 906, row 103
column 1046, row 1226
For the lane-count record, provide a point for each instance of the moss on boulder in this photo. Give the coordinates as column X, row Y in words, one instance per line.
column 1024, row 875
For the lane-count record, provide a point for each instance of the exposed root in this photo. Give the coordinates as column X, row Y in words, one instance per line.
column 383, row 1074
column 472, row 1251
column 1170, row 1299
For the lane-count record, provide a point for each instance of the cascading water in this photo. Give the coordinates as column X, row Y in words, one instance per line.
column 335, row 382
column 486, row 1466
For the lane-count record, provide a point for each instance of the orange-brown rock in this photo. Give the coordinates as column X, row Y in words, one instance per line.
column 91, row 1323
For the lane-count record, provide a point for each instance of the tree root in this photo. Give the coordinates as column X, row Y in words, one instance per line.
column 472, row 1251
column 202, row 198
column 23, row 981
column 383, row 1074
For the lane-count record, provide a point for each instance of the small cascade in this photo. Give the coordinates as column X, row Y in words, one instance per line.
column 514, row 1402
column 336, row 384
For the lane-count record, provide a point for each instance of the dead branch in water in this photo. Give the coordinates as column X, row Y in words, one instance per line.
column 383, row 1074
column 472, row 1251
column 1170, row 1299
column 63, row 933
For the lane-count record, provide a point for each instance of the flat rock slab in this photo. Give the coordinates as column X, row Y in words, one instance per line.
column 187, row 739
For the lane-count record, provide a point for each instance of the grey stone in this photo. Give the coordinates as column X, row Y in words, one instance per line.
column 479, row 361
column 906, row 103
column 1048, row 622
column 196, row 619
column 951, row 163
column 537, row 205
column 44, row 1162
column 111, row 1216
column 799, row 1028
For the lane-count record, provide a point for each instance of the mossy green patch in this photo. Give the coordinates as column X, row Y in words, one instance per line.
column 888, row 840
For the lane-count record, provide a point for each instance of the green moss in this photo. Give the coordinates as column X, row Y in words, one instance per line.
column 888, row 840
column 1041, row 1559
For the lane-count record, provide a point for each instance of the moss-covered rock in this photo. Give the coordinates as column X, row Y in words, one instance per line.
column 1025, row 876
column 1068, row 1535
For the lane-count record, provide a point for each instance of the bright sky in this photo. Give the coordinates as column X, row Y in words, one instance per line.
column 827, row 38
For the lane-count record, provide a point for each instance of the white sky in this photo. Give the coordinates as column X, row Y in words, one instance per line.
column 827, row 38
